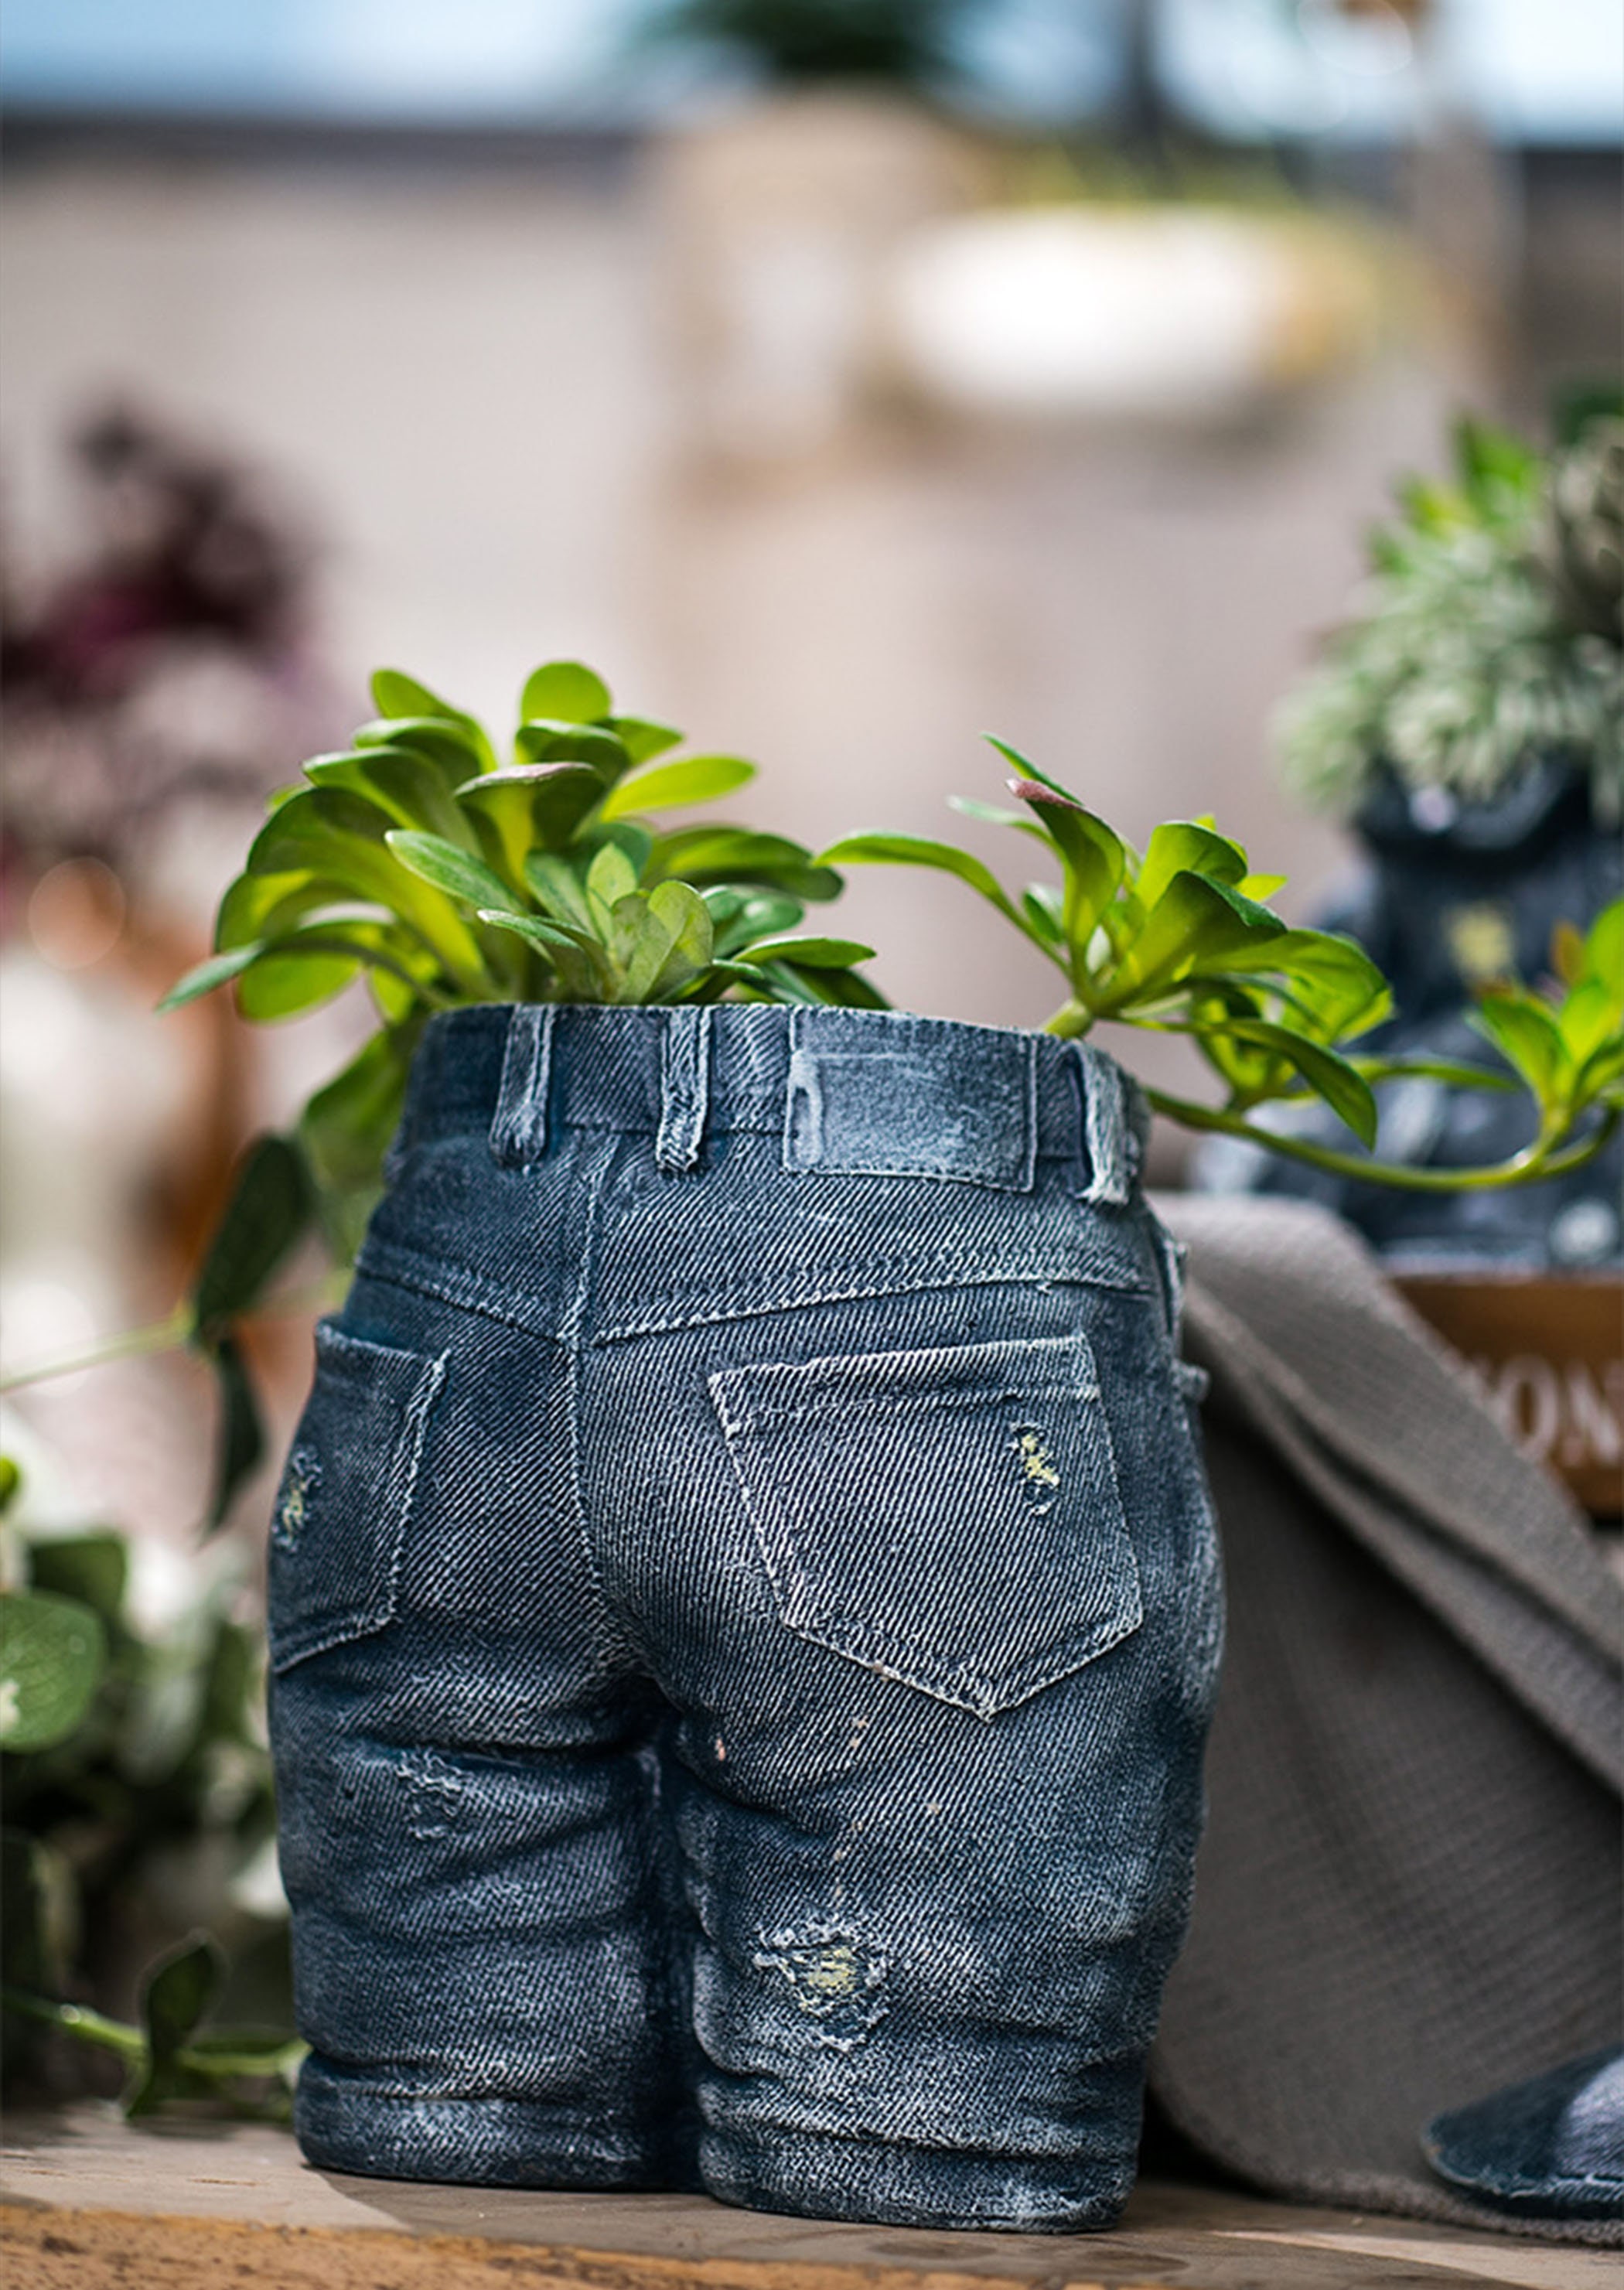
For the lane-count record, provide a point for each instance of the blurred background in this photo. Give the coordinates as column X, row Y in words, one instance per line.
column 840, row 379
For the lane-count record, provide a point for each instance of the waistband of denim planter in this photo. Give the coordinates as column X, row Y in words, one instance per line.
column 518, row 1074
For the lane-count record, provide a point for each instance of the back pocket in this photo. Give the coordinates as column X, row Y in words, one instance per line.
column 949, row 1518
column 347, row 1494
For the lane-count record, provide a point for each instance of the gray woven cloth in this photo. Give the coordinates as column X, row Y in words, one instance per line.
column 1408, row 1893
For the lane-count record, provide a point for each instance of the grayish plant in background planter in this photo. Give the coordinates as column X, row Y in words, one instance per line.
column 1471, row 723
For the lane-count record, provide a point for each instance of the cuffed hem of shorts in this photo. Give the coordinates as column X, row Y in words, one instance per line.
column 375, row 2133
column 887, row 2185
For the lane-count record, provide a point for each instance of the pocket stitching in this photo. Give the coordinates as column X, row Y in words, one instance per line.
column 347, row 1354
column 871, row 1646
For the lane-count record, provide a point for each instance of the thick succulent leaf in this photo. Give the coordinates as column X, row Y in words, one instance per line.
column 454, row 745
column 532, row 806
column 557, row 743
column 414, row 790
column 534, row 931
column 1184, row 844
column 670, row 786
column 679, row 910
column 290, row 978
column 203, row 977
column 259, row 906
column 1043, row 907
column 738, row 916
column 52, row 1654
column 455, row 871
column 918, row 851
column 566, row 689
column 1028, row 770
column 1093, row 855
column 810, row 953
column 642, row 739
column 701, row 855
column 331, row 833
column 610, row 878
column 558, row 888
column 1456, row 1072
column 1195, row 924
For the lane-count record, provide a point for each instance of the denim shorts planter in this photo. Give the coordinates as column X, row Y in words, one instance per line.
column 744, row 1613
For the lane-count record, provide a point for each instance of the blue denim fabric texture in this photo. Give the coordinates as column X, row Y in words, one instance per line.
column 1550, row 2147
column 744, row 1615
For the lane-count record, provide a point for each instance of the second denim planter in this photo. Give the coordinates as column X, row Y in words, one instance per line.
column 744, row 1615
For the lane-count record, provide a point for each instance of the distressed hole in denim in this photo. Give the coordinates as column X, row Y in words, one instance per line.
column 298, row 1486
column 832, row 1978
column 1040, row 1478
column 434, row 1795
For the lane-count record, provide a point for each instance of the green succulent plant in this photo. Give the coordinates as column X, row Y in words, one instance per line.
column 448, row 875
column 1179, row 938
column 1483, row 634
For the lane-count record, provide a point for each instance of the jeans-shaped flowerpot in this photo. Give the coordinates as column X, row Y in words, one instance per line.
column 744, row 1613
column 1457, row 893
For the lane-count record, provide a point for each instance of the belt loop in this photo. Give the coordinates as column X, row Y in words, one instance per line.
column 518, row 1130
column 684, row 1089
column 1113, row 1155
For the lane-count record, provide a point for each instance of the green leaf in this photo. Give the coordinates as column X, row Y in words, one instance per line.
column 917, row 850
column 1196, row 923
column 668, row 786
column 532, row 806
column 564, row 689
column 345, row 1130
column 267, row 1214
column 286, row 984
column 177, row 1995
column 1527, row 1036
column 610, row 878
column 1093, row 855
column 203, row 977
column 332, row 833
column 679, row 908
column 1455, row 1071
column 702, row 855
column 996, row 815
column 10, row 1482
column 543, row 935
column 93, row 1569
column 1029, row 770
column 1330, row 1075
column 556, row 886
column 642, row 740
column 552, row 741
column 455, row 745
column 456, row 872
column 412, row 790
column 52, row 1654
column 810, row 953
column 1604, row 947
column 1587, row 1018
column 1183, row 844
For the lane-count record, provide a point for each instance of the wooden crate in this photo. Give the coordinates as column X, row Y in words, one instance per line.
column 1549, row 1350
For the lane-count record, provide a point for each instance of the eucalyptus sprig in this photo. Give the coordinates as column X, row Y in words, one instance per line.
column 1180, row 939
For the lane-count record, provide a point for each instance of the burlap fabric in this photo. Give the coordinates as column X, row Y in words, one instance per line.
column 1409, row 1893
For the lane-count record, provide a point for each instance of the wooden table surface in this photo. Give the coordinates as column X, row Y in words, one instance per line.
column 88, row 2200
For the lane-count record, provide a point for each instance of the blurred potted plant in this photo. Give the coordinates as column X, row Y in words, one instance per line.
column 779, row 213
column 1469, row 722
